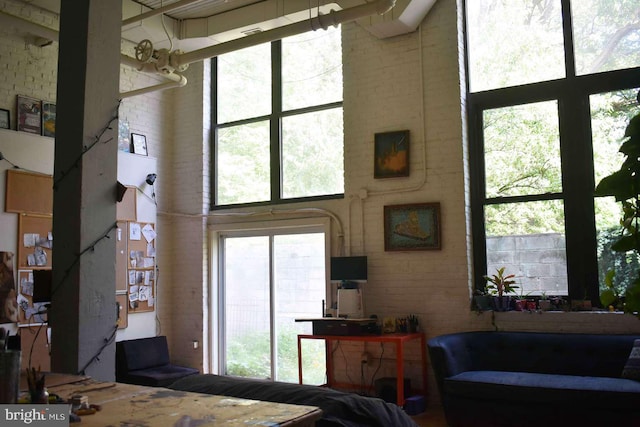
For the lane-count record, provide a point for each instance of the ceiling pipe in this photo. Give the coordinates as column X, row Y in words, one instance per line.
column 176, row 81
column 154, row 12
column 322, row 21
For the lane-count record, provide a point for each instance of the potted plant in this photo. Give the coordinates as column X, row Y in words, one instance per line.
column 498, row 285
column 624, row 185
column 544, row 304
column 482, row 300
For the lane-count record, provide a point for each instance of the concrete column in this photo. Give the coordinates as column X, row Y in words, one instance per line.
column 83, row 311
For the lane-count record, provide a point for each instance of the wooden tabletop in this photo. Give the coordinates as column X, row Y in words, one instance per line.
column 133, row 405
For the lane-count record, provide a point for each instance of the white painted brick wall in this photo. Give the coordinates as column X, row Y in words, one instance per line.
column 385, row 90
column 26, row 69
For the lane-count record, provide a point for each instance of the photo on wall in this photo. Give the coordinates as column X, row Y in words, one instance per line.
column 412, row 227
column 48, row 119
column 5, row 119
column 8, row 295
column 29, row 112
column 391, row 154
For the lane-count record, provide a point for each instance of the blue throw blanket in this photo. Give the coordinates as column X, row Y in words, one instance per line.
column 339, row 409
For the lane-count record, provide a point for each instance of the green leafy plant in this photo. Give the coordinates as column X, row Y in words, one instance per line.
column 624, row 185
column 500, row 284
column 610, row 296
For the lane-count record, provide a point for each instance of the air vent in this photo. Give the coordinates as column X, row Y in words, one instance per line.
column 251, row 31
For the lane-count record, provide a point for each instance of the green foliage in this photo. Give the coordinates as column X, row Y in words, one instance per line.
column 617, row 269
column 500, row 284
column 249, row 356
column 311, row 143
column 624, row 185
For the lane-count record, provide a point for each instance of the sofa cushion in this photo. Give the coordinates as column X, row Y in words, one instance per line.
column 159, row 376
column 144, row 353
column 535, row 388
column 632, row 367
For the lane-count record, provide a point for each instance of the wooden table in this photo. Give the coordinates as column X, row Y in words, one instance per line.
column 398, row 339
column 133, row 405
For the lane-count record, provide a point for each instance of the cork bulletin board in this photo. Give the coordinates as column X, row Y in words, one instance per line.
column 141, row 266
column 126, row 209
column 28, row 192
column 34, row 342
column 121, row 257
column 35, row 241
column 123, row 312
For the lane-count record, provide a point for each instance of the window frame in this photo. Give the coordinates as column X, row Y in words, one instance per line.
column 275, row 135
column 576, row 152
column 217, row 307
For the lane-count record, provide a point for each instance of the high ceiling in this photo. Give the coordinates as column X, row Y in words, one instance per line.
column 194, row 24
column 192, row 9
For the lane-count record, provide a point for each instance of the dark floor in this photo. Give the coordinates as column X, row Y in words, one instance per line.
column 432, row 417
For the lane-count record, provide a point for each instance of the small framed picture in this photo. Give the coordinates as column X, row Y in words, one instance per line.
column 414, row 227
column 48, row 119
column 5, row 119
column 391, row 154
column 124, row 143
column 29, row 112
column 139, row 144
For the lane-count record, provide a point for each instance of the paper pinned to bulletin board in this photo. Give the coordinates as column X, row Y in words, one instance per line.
column 29, row 313
column 35, row 241
column 141, row 272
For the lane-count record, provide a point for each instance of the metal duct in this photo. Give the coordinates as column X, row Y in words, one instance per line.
column 28, row 26
column 322, row 21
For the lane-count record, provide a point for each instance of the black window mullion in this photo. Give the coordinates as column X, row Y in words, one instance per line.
column 567, row 30
column 578, row 183
column 276, row 122
column 213, row 138
column 478, row 192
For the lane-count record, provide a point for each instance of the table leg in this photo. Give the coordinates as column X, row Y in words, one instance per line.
column 400, row 373
column 299, row 360
column 423, row 343
column 328, row 344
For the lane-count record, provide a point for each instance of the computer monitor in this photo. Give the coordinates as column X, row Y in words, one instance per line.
column 349, row 268
column 42, row 285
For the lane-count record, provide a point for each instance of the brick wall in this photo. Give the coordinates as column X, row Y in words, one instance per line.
column 408, row 82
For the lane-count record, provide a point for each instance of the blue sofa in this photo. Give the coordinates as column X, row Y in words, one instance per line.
column 535, row 379
column 145, row 361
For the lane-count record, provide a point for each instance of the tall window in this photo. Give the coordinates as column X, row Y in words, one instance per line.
column 269, row 278
column 278, row 121
column 551, row 87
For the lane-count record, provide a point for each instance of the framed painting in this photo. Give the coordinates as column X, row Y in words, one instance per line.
column 5, row 119
column 124, row 144
column 139, row 144
column 413, row 227
column 48, row 119
column 29, row 112
column 391, row 154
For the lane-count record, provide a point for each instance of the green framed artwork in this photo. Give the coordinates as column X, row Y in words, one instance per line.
column 391, row 154
column 412, row 227
column 48, row 119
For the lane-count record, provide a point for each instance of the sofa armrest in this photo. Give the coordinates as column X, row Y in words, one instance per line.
column 449, row 356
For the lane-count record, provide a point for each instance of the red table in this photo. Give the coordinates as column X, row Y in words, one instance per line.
column 399, row 339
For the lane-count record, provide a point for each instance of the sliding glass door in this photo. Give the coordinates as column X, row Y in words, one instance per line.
column 268, row 279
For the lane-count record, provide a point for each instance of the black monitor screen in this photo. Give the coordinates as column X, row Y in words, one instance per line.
column 349, row 268
column 41, row 285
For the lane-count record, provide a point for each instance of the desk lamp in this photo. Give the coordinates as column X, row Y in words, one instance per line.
column 350, row 271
